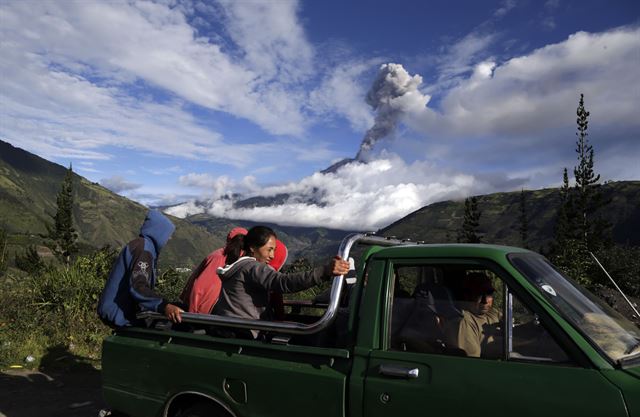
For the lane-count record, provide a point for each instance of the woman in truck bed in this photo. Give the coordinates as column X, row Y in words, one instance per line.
column 202, row 290
column 247, row 280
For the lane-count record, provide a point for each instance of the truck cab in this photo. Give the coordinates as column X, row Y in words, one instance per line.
column 389, row 344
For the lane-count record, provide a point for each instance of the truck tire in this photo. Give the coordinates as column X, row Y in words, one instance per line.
column 202, row 409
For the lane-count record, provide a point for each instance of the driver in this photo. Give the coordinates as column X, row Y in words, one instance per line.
column 478, row 332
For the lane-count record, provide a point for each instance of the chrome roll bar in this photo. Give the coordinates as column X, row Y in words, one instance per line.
column 290, row 327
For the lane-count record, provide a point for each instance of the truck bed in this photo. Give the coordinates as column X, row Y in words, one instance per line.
column 250, row 378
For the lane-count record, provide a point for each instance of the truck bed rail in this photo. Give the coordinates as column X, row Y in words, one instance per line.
column 290, row 327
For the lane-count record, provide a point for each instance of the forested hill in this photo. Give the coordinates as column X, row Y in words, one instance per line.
column 28, row 189
column 500, row 212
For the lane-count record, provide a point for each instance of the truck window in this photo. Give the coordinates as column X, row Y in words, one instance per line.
column 530, row 340
column 460, row 310
column 424, row 308
column 607, row 329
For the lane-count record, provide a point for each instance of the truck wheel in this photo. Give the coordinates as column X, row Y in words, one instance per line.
column 201, row 409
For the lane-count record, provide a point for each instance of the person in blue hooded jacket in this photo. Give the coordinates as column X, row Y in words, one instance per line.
column 129, row 288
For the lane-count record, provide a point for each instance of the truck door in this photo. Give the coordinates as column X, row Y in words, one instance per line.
column 419, row 371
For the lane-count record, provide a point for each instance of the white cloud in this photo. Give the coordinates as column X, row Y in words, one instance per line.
column 89, row 170
column 358, row 196
column 274, row 44
column 79, row 128
column 530, row 95
column 87, row 166
column 459, row 59
column 176, row 169
column 73, row 87
column 118, row 184
column 67, row 116
column 185, row 209
column 198, row 180
column 215, row 187
column 548, row 23
column 548, row 20
column 483, row 70
column 505, row 7
column 341, row 93
column 71, row 61
column 551, row 4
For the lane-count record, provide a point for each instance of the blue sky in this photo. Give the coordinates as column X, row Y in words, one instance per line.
column 176, row 101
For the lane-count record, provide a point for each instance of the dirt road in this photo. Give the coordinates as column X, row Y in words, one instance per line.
column 74, row 393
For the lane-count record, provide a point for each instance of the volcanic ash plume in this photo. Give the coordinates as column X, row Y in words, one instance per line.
column 393, row 93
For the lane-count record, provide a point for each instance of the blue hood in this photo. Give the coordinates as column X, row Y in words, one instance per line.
column 158, row 228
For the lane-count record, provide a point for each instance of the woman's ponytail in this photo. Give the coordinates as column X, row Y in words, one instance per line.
column 234, row 249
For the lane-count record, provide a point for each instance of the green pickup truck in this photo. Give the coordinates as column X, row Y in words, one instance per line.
column 379, row 344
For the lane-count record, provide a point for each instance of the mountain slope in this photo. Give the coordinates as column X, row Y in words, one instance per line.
column 28, row 189
column 499, row 222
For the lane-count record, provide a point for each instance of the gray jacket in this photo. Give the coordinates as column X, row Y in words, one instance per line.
column 246, row 284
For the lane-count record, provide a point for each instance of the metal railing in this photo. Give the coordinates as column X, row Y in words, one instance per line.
column 290, row 327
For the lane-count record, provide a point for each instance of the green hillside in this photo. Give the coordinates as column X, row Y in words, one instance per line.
column 499, row 222
column 28, row 189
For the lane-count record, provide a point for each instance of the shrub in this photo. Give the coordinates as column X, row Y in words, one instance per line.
column 171, row 283
column 55, row 306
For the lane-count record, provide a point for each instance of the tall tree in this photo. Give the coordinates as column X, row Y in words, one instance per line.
column 523, row 220
column 579, row 228
column 62, row 236
column 468, row 232
column 591, row 229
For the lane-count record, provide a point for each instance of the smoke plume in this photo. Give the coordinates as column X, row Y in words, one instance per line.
column 393, row 93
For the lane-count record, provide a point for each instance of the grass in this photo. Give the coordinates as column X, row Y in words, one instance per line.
column 56, row 307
